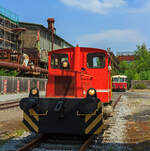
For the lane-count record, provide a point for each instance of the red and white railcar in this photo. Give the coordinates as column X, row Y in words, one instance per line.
column 119, row 83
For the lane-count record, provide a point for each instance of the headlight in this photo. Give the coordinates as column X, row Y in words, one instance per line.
column 34, row 92
column 91, row 92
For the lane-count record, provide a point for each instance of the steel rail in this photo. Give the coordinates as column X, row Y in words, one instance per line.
column 116, row 102
column 8, row 105
column 2, row 104
column 33, row 143
column 87, row 142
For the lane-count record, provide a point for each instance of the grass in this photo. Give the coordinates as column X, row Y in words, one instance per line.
column 139, row 86
column 8, row 136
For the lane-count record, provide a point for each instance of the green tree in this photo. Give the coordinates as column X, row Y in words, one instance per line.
column 139, row 69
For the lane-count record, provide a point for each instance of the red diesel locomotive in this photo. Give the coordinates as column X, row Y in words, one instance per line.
column 79, row 82
column 119, row 83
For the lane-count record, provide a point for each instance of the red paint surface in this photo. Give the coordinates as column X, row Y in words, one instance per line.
column 38, row 84
column 18, row 86
column 28, row 85
column 5, row 87
column 119, row 85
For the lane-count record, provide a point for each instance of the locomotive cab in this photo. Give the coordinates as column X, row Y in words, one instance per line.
column 87, row 68
column 78, row 83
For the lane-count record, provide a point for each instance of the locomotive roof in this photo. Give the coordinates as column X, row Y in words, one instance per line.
column 119, row 76
column 82, row 49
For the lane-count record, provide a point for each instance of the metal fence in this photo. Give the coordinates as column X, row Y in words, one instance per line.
column 144, row 82
column 20, row 84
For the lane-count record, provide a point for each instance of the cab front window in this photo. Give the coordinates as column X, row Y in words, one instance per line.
column 96, row 60
column 57, row 59
column 115, row 80
column 122, row 79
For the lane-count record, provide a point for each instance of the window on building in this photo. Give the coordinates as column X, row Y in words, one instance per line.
column 1, row 33
column 1, row 44
column 1, row 21
column 57, row 41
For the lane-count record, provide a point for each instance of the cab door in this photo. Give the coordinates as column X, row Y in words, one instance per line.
column 97, row 67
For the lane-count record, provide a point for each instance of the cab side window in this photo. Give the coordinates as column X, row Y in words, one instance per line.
column 95, row 60
column 57, row 59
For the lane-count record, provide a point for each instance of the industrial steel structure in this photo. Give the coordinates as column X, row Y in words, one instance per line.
column 8, row 21
column 41, row 39
column 25, row 46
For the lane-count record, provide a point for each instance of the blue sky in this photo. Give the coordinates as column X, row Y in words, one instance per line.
column 118, row 24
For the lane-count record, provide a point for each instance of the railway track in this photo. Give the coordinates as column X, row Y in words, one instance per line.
column 114, row 134
column 8, row 105
column 45, row 142
column 114, row 137
column 51, row 143
column 69, row 143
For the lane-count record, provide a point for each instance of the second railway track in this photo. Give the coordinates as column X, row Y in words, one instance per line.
column 8, row 105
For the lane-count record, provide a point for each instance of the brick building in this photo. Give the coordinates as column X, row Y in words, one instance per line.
column 125, row 56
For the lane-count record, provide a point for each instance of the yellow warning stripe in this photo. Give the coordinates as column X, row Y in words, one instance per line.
column 25, row 127
column 93, row 124
column 34, row 114
column 33, row 125
column 87, row 117
column 99, row 130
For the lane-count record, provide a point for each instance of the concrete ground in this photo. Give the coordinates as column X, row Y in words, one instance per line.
column 138, row 125
column 16, row 96
column 11, row 119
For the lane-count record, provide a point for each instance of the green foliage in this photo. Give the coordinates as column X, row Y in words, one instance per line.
column 4, row 72
column 136, row 76
column 140, row 86
column 139, row 69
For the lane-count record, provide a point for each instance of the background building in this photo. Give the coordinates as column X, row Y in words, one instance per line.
column 30, row 41
column 8, row 21
column 36, row 37
column 125, row 56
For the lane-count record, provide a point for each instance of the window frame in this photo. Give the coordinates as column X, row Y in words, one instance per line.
column 100, row 54
column 59, row 62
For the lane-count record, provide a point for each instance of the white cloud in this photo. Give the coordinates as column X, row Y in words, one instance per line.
column 96, row 6
column 115, row 38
